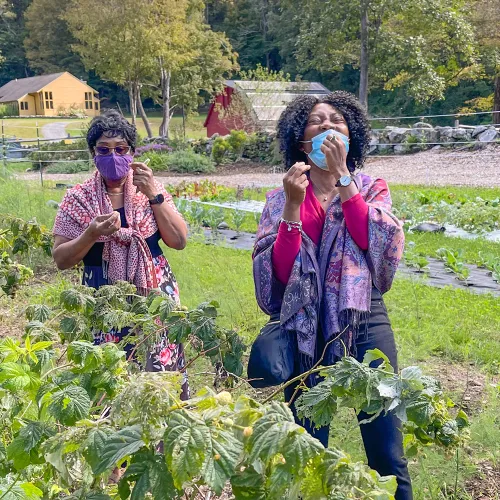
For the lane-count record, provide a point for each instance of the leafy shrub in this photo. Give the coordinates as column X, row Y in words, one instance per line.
column 237, row 140
column 158, row 161
column 187, row 161
column 4, row 110
column 56, row 151
column 219, row 149
column 70, row 167
column 152, row 148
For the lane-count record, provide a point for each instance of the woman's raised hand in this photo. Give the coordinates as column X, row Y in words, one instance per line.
column 295, row 184
column 104, row 225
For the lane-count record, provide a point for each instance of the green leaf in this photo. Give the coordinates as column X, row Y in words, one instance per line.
column 318, row 404
column 247, row 484
column 279, row 481
column 21, row 491
column 16, row 452
column 85, row 354
column 420, row 412
column 376, row 354
column 70, row 404
column 221, row 462
column 32, row 433
column 73, row 300
column 38, row 312
column 94, row 446
column 119, row 445
column 155, row 305
column 269, row 432
column 186, row 439
column 16, row 377
column 150, row 474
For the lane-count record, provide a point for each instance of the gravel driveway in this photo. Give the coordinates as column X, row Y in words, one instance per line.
column 481, row 168
column 55, row 131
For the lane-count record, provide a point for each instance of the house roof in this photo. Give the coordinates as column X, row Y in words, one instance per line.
column 16, row 89
column 268, row 100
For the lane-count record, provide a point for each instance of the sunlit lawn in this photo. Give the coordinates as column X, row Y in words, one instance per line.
column 26, row 128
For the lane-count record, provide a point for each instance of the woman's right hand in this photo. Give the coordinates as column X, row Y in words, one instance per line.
column 104, row 225
column 295, row 184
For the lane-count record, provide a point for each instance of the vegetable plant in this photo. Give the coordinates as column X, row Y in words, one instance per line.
column 453, row 262
column 74, row 412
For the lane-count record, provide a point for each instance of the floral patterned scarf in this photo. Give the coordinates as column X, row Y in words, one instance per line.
column 330, row 285
column 126, row 255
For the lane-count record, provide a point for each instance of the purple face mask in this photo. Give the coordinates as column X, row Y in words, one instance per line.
column 113, row 167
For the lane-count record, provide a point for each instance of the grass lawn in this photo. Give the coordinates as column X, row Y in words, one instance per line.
column 25, row 128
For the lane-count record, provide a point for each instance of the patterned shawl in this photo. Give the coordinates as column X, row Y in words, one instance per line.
column 126, row 255
column 330, row 285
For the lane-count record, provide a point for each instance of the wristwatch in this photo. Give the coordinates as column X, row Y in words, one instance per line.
column 344, row 181
column 157, row 200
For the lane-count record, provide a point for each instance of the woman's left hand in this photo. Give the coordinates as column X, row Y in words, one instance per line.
column 144, row 179
column 334, row 150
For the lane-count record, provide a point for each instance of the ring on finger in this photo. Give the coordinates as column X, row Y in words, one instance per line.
column 332, row 138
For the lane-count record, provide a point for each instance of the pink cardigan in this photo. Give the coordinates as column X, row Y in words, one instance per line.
column 312, row 215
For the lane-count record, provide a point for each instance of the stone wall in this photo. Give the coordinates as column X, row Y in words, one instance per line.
column 262, row 147
column 421, row 136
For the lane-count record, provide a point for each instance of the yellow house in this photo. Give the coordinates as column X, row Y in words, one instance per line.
column 50, row 95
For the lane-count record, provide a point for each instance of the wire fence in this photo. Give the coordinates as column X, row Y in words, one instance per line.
column 17, row 154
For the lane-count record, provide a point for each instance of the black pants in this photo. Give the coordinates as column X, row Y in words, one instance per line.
column 382, row 438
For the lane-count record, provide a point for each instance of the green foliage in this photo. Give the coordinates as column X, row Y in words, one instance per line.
column 415, row 259
column 263, row 74
column 18, row 238
column 158, row 162
column 219, row 149
column 237, row 140
column 415, row 399
column 453, row 262
column 60, row 151
column 187, row 161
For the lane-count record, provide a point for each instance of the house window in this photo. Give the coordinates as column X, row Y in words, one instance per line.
column 41, row 100
column 49, row 103
column 88, row 100
column 96, row 104
column 24, row 106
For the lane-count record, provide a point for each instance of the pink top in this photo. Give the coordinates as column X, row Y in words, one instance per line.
column 312, row 215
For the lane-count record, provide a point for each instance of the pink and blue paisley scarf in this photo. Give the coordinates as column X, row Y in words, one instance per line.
column 329, row 289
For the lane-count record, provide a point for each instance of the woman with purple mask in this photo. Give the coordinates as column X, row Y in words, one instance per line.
column 114, row 223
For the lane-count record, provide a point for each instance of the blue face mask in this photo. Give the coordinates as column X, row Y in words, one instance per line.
column 316, row 155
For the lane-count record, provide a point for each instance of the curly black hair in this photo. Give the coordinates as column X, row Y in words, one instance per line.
column 293, row 121
column 112, row 124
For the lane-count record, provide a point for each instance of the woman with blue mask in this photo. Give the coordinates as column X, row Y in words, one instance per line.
column 114, row 223
column 327, row 249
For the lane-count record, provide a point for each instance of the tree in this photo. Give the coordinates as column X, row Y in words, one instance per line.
column 486, row 17
column 191, row 57
column 422, row 46
column 116, row 43
column 48, row 42
column 12, row 33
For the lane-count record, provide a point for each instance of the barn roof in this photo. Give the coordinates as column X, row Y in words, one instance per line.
column 16, row 89
column 269, row 99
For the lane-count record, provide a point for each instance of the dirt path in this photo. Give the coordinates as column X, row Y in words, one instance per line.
column 481, row 168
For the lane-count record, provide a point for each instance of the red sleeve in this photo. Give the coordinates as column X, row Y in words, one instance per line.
column 285, row 250
column 356, row 219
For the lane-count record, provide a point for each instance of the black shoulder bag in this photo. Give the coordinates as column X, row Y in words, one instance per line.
column 272, row 357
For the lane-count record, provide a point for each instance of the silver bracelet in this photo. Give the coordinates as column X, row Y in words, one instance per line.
column 292, row 224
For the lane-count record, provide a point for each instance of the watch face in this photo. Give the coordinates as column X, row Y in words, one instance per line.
column 345, row 180
column 160, row 198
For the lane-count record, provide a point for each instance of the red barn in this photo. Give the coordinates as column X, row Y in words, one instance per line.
column 252, row 105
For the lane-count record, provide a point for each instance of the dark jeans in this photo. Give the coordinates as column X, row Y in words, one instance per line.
column 382, row 438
